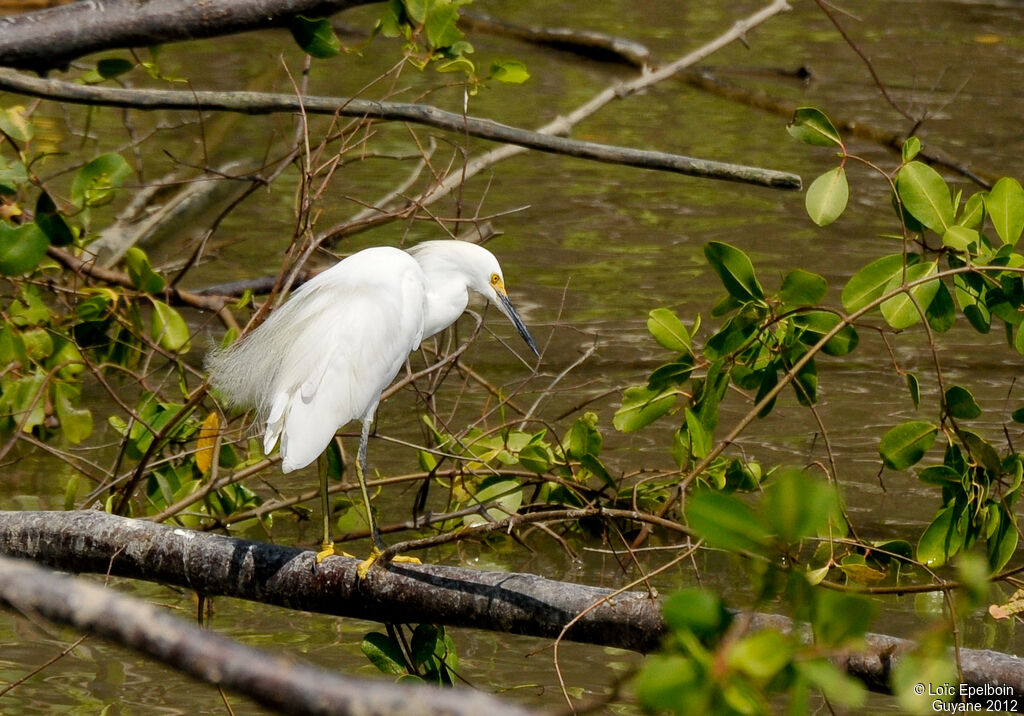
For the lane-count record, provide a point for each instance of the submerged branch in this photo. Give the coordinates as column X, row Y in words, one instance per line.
column 214, row 565
column 269, row 103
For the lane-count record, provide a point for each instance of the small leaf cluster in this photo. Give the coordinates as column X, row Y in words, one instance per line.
column 761, row 338
column 431, row 33
column 709, row 662
column 428, row 656
column 490, row 464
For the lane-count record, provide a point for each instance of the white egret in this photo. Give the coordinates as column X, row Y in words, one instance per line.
column 323, row 358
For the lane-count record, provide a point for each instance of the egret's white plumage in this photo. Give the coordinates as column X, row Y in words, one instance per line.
column 323, row 358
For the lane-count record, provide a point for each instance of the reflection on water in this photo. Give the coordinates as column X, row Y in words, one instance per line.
column 594, row 250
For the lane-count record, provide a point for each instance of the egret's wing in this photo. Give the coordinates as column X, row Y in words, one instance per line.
column 347, row 354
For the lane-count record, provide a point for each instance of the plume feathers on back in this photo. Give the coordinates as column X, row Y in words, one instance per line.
column 323, row 358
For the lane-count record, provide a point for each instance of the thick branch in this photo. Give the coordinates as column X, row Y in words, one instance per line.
column 91, row 541
column 267, row 103
column 283, row 684
column 51, row 38
column 214, row 565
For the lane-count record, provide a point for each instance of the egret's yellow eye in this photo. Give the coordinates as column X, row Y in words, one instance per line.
column 495, row 279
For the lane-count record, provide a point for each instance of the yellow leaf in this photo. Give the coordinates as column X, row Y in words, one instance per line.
column 207, row 441
column 862, row 573
column 1014, row 605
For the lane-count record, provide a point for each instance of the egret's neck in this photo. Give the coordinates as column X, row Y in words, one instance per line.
column 447, row 298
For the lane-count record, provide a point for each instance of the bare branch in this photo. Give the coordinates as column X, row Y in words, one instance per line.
column 51, row 38
column 269, row 103
column 284, row 684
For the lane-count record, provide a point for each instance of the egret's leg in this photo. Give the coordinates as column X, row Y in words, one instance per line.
column 360, row 472
column 378, row 544
column 327, row 545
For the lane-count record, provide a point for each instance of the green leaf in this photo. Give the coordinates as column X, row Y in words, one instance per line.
column 827, row 197
column 16, row 124
column 981, row 451
column 869, row 283
column 812, row 126
column 696, row 610
column 509, row 71
column 315, row 36
column 974, row 211
column 1005, row 206
column 51, row 223
column 911, row 148
column 836, row 685
column 902, row 310
column 141, row 272
column 384, row 653
column 501, row 496
column 12, row 176
column 168, row 328
column 726, row 522
column 915, row 390
column 1018, row 415
column 905, row 444
column 797, row 506
column 941, row 312
column 816, row 324
column 802, row 288
column 959, row 237
column 669, row 331
column 441, row 25
column 961, row 403
column 841, row 618
column 535, row 458
column 113, row 67
column 940, row 541
column 761, row 655
column 940, row 475
column 672, row 684
column 21, row 248
column 925, row 195
column 584, row 438
column 735, row 270
column 1003, row 542
column 698, row 438
column 642, row 406
column 675, row 373
column 96, row 181
column 75, row 423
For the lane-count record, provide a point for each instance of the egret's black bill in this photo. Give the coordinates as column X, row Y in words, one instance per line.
column 510, row 311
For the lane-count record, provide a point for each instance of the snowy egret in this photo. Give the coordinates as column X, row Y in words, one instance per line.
column 323, row 358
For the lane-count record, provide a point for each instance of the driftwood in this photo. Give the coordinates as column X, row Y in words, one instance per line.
column 283, row 684
column 214, row 565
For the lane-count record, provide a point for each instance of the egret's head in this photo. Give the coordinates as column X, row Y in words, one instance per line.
column 480, row 271
column 496, row 294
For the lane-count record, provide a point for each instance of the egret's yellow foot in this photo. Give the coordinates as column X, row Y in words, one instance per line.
column 327, row 550
column 364, row 567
